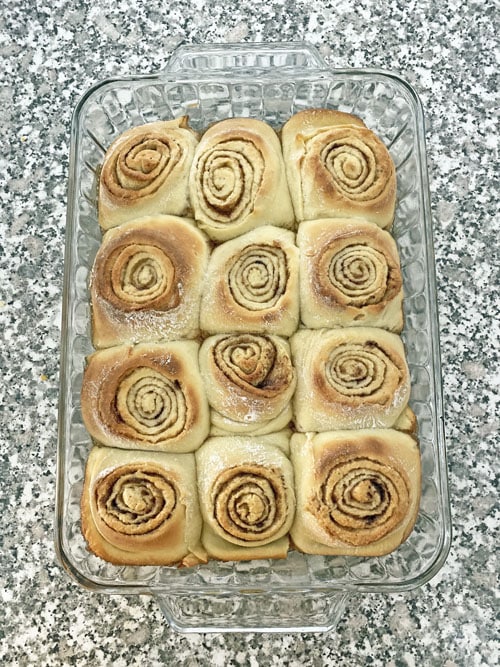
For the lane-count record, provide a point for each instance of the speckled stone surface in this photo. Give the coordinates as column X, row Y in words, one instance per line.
column 51, row 53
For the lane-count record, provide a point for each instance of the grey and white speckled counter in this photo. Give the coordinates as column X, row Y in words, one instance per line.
column 51, row 53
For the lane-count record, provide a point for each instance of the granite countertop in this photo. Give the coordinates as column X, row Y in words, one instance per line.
column 52, row 53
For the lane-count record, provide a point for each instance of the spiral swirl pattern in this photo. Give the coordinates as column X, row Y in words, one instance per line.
column 140, row 276
column 250, row 503
column 135, row 500
column 248, row 360
column 258, row 277
column 229, row 175
column 152, row 405
column 358, row 272
column 357, row 370
column 350, row 159
column 366, row 499
column 141, row 164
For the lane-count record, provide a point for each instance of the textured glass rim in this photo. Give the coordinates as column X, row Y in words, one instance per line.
column 235, row 76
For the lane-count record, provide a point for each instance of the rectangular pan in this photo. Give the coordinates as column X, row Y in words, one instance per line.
column 270, row 82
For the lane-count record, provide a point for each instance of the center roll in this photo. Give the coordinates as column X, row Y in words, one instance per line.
column 252, row 284
column 249, row 381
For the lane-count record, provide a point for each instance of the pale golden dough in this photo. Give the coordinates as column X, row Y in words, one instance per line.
column 252, row 284
column 349, row 378
column 407, row 422
column 149, row 396
column 238, row 180
column 146, row 171
column 349, row 275
column 247, row 497
column 249, row 380
column 141, row 508
column 146, row 281
column 221, row 425
column 358, row 492
column 337, row 167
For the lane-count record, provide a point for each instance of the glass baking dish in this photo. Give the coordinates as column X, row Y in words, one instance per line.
column 271, row 82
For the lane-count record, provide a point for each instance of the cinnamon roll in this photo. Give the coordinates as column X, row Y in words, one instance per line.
column 247, row 496
column 146, row 397
column 350, row 275
column 337, row 167
column 249, row 381
column 146, row 281
column 252, row 284
column 358, row 492
column 237, row 179
column 349, row 379
column 146, row 171
column 141, row 508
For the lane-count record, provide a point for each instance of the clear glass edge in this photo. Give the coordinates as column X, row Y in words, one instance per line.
column 337, row 607
column 176, row 61
column 430, row 284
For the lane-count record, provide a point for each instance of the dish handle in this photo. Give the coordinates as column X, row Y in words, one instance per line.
column 245, row 58
column 253, row 611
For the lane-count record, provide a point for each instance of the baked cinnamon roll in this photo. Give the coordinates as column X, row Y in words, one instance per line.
column 350, row 275
column 146, row 281
column 252, row 284
column 337, row 167
column 238, row 180
column 247, row 497
column 141, row 508
column 146, row 171
column 249, row 381
column 358, row 492
column 147, row 396
column 349, row 379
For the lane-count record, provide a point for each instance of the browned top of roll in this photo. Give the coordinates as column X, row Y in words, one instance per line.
column 364, row 490
column 139, row 162
column 358, row 491
column 252, row 284
column 146, row 172
column 361, row 371
column 143, row 395
column 336, row 166
column 144, row 264
column 253, row 363
column 237, row 179
column 250, row 502
column 248, row 377
column 356, row 267
column 354, row 160
column 351, row 377
column 135, row 499
column 141, row 508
